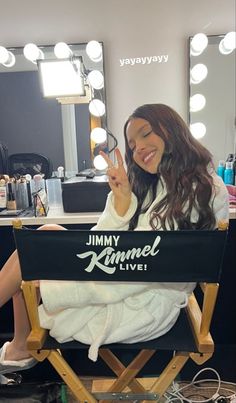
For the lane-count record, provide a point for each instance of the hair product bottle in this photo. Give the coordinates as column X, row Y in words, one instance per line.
column 229, row 173
column 221, row 169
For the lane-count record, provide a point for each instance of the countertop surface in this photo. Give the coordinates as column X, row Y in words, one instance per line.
column 55, row 216
column 58, row 216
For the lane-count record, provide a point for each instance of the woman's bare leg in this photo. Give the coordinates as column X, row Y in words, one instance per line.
column 17, row 349
column 10, row 278
column 10, row 282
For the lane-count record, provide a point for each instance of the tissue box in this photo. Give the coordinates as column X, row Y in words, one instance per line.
column 80, row 195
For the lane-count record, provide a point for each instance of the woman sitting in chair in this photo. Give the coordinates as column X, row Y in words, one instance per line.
column 170, row 184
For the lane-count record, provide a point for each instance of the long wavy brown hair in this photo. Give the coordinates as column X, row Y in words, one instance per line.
column 183, row 168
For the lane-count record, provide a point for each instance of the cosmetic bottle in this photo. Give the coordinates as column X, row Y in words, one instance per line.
column 28, row 179
column 221, row 169
column 22, row 200
column 60, row 173
column 11, row 201
column 37, row 183
column 3, row 194
column 230, row 158
column 234, row 168
column 229, row 173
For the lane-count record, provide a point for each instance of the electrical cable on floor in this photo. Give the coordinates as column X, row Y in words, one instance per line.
column 176, row 394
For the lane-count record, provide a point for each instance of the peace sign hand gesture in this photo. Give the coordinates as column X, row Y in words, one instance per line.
column 119, row 183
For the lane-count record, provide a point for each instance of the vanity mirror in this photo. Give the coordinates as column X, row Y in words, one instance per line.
column 212, row 96
column 60, row 126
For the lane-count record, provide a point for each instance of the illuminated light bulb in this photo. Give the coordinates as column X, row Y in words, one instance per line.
column 62, row 50
column 98, row 135
column 228, row 43
column 96, row 79
column 99, row 163
column 33, row 53
column 198, row 44
column 197, row 102
column 97, row 107
column 7, row 58
column 3, row 55
column 198, row 73
column 198, row 130
column 94, row 51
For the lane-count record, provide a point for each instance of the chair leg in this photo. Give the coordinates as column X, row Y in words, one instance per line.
column 126, row 375
column 70, row 378
column 117, row 367
column 169, row 374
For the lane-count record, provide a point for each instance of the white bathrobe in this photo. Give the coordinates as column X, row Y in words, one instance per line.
column 97, row 313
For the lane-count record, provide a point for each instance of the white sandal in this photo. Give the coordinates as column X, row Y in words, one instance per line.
column 7, row 367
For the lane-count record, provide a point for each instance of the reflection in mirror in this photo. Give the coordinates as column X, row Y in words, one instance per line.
column 212, row 96
column 58, row 127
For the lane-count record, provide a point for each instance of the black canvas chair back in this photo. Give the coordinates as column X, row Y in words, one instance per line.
column 133, row 256
column 170, row 256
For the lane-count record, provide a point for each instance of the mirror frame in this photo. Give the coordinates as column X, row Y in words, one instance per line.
column 219, row 91
column 73, row 154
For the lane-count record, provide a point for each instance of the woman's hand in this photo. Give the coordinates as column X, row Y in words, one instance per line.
column 119, row 183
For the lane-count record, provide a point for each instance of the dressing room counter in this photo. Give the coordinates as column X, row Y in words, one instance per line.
column 55, row 216
column 58, row 216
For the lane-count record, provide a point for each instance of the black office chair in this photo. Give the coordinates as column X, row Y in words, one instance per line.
column 189, row 256
column 29, row 163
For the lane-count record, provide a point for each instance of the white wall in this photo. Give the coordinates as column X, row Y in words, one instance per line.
column 128, row 29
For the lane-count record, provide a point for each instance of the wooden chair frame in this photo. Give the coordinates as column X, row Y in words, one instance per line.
column 126, row 386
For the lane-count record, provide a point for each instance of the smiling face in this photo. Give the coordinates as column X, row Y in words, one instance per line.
column 147, row 147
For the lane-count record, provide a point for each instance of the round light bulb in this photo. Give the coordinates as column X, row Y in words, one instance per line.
column 33, row 53
column 7, row 58
column 3, row 55
column 62, row 50
column 228, row 43
column 198, row 73
column 198, row 44
column 11, row 60
column 94, row 51
column 97, row 107
column 96, row 79
column 197, row 102
column 198, row 130
column 98, row 135
column 99, row 163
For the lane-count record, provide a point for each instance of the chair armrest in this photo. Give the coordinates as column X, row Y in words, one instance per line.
column 37, row 335
column 200, row 320
column 209, row 301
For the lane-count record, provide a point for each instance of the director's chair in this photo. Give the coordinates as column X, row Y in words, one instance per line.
column 168, row 256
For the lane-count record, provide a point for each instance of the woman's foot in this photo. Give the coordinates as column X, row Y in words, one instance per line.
column 13, row 353
column 21, row 361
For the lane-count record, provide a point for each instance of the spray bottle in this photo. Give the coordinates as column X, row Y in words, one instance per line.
column 229, row 173
column 221, row 169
